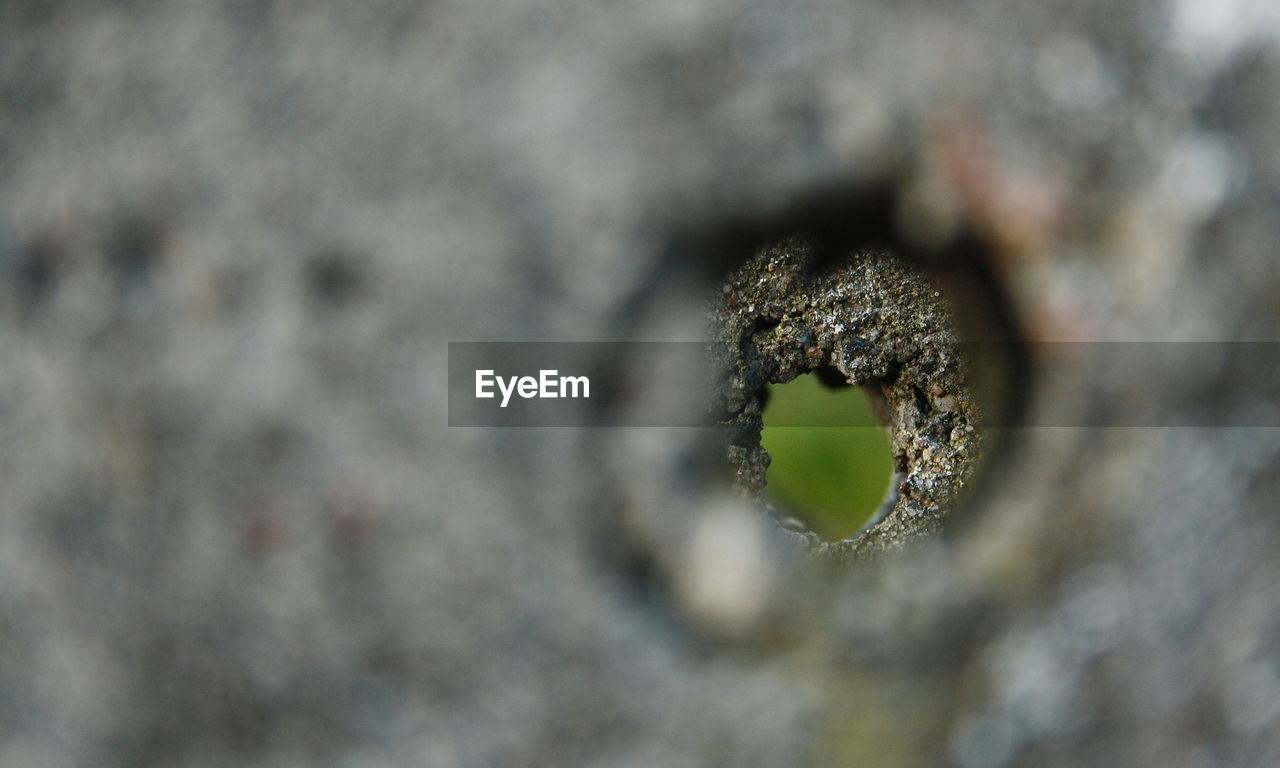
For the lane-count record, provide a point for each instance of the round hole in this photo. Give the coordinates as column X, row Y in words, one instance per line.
column 865, row 319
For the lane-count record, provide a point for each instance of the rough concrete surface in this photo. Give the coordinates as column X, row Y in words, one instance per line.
column 863, row 320
column 235, row 238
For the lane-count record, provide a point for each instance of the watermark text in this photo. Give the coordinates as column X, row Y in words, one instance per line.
column 548, row 385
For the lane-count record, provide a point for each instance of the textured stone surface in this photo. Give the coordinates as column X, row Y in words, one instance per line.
column 864, row 320
column 236, row 237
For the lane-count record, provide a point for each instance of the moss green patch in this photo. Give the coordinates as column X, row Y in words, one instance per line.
column 831, row 477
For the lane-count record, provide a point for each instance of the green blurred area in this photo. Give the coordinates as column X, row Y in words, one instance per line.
column 832, row 478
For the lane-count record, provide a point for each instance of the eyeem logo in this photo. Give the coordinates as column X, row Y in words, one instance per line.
column 548, row 385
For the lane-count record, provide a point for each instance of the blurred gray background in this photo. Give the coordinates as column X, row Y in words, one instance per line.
column 235, row 529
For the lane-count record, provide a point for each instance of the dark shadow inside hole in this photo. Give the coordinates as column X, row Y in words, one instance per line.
column 831, row 377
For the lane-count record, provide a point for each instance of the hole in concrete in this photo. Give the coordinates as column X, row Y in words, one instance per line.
column 831, row 468
column 864, row 318
column 833, row 285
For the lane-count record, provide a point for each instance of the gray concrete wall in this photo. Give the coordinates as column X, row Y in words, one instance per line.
column 235, row 529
